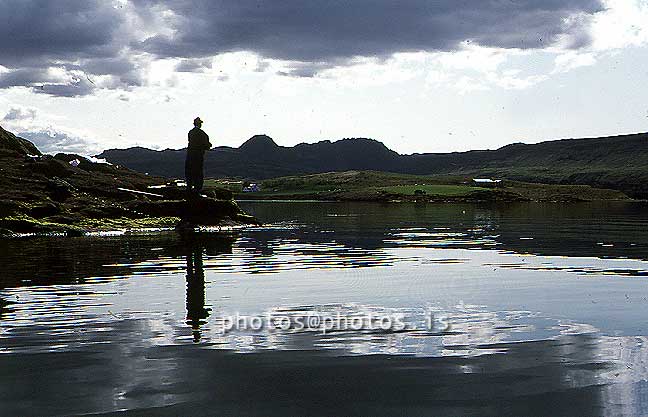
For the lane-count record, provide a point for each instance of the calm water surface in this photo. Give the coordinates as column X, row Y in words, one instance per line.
column 523, row 309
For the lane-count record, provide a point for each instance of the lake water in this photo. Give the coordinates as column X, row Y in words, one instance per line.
column 336, row 309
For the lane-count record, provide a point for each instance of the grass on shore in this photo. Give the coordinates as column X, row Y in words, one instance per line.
column 436, row 189
column 372, row 185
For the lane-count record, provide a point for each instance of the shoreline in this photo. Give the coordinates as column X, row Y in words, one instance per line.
column 116, row 230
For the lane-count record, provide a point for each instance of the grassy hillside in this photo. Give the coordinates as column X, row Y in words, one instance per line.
column 379, row 186
column 619, row 162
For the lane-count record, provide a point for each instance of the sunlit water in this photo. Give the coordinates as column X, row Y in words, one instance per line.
column 514, row 310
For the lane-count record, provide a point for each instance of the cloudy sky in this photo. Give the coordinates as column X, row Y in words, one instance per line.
column 419, row 75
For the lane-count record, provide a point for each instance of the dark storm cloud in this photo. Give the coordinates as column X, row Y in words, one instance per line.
column 43, row 81
column 36, row 30
column 321, row 31
column 37, row 35
column 103, row 38
column 23, row 77
column 75, row 88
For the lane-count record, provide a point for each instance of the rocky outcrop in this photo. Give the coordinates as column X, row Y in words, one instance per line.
column 70, row 194
column 10, row 143
column 196, row 211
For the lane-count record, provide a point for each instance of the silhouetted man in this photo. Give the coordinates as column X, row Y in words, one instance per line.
column 198, row 144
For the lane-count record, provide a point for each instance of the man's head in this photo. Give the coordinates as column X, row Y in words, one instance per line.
column 198, row 122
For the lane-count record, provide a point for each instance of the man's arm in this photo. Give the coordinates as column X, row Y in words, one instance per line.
column 206, row 141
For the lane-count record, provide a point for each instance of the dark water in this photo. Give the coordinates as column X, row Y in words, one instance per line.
column 513, row 310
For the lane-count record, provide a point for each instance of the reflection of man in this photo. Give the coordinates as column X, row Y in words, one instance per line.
column 198, row 144
column 196, row 311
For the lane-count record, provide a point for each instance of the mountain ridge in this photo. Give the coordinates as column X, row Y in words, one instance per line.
column 618, row 162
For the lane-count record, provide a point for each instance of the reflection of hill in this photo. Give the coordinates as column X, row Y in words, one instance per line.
column 587, row 229
column 338, row 235
column 46, row 261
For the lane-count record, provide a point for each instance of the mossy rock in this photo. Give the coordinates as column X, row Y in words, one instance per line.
column 219, row 193
column 58, row 189
column 12, row 143
column 26, row 224
column 62, row 219
column 50, row 167
column 6, row 233
column 10, row 207
column 105, row 212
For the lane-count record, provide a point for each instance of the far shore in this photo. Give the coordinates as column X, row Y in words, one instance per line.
column 375, row 186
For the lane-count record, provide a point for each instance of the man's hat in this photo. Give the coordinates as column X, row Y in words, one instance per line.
column 197, row 120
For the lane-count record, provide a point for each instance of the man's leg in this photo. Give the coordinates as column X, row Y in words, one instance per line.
column 193, row 172
column 188, row 176
column 199, row 178
column 190, row 183
column 199, row 181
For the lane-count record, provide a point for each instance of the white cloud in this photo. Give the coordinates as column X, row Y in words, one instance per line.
column 480, row 69
column 30, row 124
column 475, row 58
column 623, row 24
column 467, row 84
column 371, row 71
column 50, row 140
column 19, row 114
column 572, row 59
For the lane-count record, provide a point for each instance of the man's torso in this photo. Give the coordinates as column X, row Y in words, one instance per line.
column 198, row 140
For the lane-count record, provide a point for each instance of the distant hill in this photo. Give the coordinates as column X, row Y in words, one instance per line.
column 618, row 162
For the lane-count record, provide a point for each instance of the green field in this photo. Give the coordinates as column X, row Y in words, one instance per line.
column 383, row 186
column 436, row 189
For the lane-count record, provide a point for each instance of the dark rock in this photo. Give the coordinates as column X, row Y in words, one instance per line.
column 23, row 225
column 198, row 211
column 170, row 192
column 44, row 210
column 173, row 192
column 6, row 233
column 61, row 219
column 12, row 143
column 59, row 189
column 74, row 233
column 220, row 193
column 9, row 207
column 51, row 167
column 104, row 212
